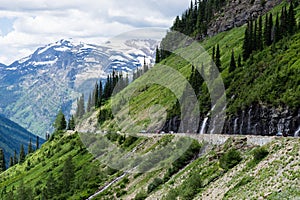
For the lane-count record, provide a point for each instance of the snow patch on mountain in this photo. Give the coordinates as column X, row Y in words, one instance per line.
column 55, row 75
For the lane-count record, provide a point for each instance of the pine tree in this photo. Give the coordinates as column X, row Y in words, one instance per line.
column 2, row 161
column 157, row 54
column 71, row 123
column 100, row 94
column 247, row 43
column 51, row 187
column 268, row 30
column 284, row 22
column 22, row 154
column 80, row 107
column 145, row 67
column 259, row 34
column 60, row 122
column 277, row 32
column 292, row 24
column 30, row 149
column 68, row 174
column 213, row 53
column 96, row 95
column 254, row 39
column 37, row 144
column 232, row 65
column 218, row 58
column 11, row 162
column 15, row 158
column 89, row 104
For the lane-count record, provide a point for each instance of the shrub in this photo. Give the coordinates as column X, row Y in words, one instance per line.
column 152, row 186
column 260, row 153
column 129, row 141
column 230, row 159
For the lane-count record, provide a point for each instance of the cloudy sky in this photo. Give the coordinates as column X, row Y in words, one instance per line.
column 28, row 24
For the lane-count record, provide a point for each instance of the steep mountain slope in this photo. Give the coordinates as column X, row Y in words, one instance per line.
column 34, row 88
column 203, row 171
column 12, row 136
column 262, row 95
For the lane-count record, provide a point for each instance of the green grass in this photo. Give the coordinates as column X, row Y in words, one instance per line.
column 269, row 78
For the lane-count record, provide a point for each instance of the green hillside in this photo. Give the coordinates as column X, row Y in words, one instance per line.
column 88, row 163
column 234, row 170
column 269, row 78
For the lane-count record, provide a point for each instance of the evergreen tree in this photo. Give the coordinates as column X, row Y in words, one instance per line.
column 254, row 39
column 292, row 24
column 80, row 107
column 96, row 95
column 89, row 104
column 259, row 34
column 213, row 53
column 157, row 54
column 100, row 94
column 11, row 162
column 22, row 154
column 271, row 36
column 71, row 123
column 247, row 43
column 37, row 144
column 218, row 58
column 60, row 122
column 51, row 187
column 145, row 67
column 277, row 32
column 284, row 22
column 68, row 174
column 2, row 161
column 23, row 192
column 30, row 149
column 232, row 65
column 15, row 158
column 268, row 30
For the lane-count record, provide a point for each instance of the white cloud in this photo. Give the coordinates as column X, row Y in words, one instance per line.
column 36, row 23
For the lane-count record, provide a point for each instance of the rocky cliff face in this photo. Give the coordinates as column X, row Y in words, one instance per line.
column 255, row 120
column 237, row 12
column 264, row 120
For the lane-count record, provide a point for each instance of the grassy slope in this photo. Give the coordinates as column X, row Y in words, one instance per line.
column 274, row 177
column 278, row 171
column 49, row 159
column 269, row 78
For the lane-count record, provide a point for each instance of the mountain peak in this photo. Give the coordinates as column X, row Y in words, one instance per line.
column 66, row 68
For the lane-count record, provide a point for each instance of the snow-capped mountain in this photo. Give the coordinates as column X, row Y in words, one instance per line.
column 34, row 88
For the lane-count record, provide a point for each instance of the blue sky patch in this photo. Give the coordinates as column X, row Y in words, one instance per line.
column 6, row 25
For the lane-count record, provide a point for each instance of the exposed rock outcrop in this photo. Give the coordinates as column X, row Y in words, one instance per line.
column 237, row 12
column 264, row 120
column 255, row 120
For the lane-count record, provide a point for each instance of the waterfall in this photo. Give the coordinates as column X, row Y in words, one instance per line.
column 242, row 123
column 235, row 125
column 249, row 121
column 255, row 131
column 297, row 132
column 203, row 125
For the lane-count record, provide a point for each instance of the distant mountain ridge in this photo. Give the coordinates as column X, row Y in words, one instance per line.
column 12, row 136
column 34, row 88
